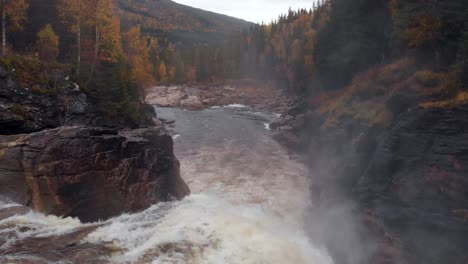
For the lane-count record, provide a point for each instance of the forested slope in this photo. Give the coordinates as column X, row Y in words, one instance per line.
column 178, row 22
column 382, row 124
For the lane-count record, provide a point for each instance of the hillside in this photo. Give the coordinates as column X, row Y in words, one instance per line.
column 179, row 22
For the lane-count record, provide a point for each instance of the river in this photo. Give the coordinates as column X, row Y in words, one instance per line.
column 248, row 202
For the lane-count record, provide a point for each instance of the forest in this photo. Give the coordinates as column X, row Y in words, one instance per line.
column 324, row 48
column 310, row 52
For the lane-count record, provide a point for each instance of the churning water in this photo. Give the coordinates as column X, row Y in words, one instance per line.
column 247, row 205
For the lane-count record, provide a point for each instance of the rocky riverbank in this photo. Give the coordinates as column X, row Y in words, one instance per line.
column 261, row 96
column 90, row 173
column 59, row 156
column 408, row 180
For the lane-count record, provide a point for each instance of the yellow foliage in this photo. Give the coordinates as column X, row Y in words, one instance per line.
column 162, row 72
column 48, row 44
column 460, row 99
column 137, row 52
column 107, row 27
column 368, row 96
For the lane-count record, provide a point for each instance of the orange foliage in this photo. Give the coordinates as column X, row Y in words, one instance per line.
column 16, row 11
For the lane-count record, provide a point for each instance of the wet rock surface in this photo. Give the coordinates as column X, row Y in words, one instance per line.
column 90, row 173
column 29, row 242
column 408, row 179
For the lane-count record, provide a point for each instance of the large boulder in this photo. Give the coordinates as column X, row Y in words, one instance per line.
column 192, row 103
column 166, row 96
column 90, row 173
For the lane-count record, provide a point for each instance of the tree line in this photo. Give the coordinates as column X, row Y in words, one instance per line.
column 308, row 51
column 322, row 49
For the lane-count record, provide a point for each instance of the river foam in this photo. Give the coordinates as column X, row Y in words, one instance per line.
column 204, row 228
column 248, row 202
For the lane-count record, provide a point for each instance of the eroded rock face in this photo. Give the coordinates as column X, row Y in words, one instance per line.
column 416, row 183
column 90, row 173
column 408, row 180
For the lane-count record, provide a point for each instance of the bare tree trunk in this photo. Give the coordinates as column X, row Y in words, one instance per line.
column 3, row 28
column 78, row 36
column 96, row 54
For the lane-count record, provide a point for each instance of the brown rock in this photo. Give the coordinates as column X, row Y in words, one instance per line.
column 192, row 102
column 166, row 97
column 90, row 173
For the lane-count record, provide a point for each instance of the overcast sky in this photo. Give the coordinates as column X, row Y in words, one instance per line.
column 251, row 10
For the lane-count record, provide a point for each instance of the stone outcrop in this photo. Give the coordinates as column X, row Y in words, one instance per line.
column 90, row 173
column 408, row 179
column 59, row 155
column 25, row 110
column 258, row 95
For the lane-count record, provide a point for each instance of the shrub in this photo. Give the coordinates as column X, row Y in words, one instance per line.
column 29, row 71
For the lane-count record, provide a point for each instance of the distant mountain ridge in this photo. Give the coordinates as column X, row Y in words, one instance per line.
column 181, row 22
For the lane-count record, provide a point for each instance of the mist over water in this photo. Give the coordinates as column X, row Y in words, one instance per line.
column 248, row 204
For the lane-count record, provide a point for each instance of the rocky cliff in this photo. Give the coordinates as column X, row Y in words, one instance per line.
column 59, row 156
column 408, row 180
column 90, row 173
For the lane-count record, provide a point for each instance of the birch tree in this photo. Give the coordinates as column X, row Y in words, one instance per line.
column 14, row 15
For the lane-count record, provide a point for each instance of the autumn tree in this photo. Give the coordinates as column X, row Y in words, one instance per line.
column 106, row 26
column 13, row 11
column 74, row 13
column 137, row 51
column 162, row 72
column 430, row 29
column 48, row 44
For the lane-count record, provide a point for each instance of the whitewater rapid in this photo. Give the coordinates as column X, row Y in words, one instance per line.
column 248, row 203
